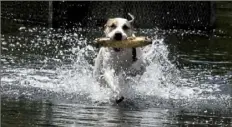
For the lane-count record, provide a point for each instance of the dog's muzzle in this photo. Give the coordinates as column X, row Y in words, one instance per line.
column 118, row 37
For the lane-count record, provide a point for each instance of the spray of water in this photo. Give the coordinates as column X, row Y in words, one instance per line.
column 162, row 80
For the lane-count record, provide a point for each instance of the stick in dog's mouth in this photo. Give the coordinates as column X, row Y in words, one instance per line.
column 117, row 49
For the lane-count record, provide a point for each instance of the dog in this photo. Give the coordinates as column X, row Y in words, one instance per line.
column 112, row 65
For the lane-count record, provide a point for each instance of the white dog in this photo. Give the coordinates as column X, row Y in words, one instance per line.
column 113, row 64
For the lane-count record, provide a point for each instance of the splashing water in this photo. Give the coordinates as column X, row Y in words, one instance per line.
column 74, row 80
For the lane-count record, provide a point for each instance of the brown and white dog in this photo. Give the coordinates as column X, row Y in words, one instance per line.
column 113, row 64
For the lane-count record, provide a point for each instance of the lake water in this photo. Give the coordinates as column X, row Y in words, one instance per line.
column 47, row 80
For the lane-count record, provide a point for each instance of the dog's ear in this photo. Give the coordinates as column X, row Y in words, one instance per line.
column 108, row 22
column 132, row 17
column 106, row 25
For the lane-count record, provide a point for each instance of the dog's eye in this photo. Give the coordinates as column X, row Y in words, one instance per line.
column 113, row 26
column 125, row 27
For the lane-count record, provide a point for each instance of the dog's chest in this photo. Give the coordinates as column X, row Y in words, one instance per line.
column 118, row 60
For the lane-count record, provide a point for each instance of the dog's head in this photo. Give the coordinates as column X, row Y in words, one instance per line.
column 119, row 28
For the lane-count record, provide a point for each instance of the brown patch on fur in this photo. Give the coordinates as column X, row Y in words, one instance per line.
column 108, row 25
column 112, row 21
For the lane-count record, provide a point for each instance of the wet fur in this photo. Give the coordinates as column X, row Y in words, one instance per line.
column 111, row 67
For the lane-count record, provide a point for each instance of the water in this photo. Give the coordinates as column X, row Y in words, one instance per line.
column 47, row 80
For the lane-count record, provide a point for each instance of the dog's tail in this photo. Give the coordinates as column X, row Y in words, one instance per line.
column 132, row 17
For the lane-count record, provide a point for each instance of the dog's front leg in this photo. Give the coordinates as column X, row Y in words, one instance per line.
column 113, row 83
column 111, row 80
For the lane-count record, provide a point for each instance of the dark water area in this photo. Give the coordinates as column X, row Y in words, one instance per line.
column 47, row 81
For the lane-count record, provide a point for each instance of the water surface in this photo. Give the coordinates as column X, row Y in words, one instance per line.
column 47, row 80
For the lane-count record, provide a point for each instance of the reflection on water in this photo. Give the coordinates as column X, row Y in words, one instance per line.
column 45, row 113
column 35, row 113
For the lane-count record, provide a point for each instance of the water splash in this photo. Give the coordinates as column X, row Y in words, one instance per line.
column 73, row 80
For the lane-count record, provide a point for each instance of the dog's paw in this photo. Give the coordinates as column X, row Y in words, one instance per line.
column 119, row 100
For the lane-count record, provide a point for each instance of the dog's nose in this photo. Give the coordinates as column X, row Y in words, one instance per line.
column 118, row 36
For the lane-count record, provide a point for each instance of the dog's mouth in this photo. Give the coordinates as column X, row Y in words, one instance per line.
column 117, row 49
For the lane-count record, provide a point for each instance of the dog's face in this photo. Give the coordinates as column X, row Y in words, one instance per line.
column 118, row 29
